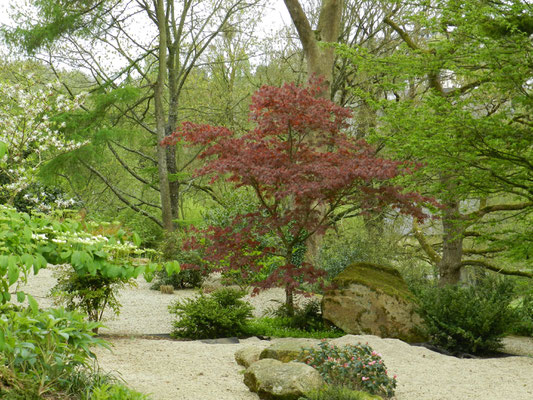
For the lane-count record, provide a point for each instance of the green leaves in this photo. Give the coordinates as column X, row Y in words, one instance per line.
column 172, row 267
column 3, row 150
column 13, row 272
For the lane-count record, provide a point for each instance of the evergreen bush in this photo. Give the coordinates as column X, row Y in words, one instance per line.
column 468, row 319
column 223, row 313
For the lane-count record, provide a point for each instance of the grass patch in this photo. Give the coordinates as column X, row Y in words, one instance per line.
column 280, row 327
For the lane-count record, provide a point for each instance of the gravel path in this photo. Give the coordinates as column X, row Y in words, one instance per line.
column 193, row 370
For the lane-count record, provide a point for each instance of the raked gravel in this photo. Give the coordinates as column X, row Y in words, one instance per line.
column 194, row 370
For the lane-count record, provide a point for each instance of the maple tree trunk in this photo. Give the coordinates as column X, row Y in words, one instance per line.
column 289, row 300
column 452, row 246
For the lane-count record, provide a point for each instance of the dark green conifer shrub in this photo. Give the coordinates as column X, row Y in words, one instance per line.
column 468, row 319
column 223, row 313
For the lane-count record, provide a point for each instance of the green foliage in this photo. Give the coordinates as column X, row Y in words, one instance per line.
column 221, row 314
column 338, row 393
column 524, row 310
column 87, row 293
column 115, row 392
column 353, row 242
column 185, row 279
column 467, row 319
column 46, row 347
column 281, row 327
column 357, row 367
column 307, row 315
column 27, row 244
column 171, row 249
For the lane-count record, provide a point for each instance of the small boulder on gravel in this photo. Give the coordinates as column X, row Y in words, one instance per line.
column 289, row 349
column 248, row 355
column 274, row 380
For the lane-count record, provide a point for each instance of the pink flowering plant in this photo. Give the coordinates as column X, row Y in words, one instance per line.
column 357, row 367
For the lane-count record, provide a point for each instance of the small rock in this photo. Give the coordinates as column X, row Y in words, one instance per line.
column 248, row 355
column 274, row 380
column 289, row 349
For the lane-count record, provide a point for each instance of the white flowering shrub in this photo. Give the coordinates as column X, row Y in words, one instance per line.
column 30, row 132
column 28, row 244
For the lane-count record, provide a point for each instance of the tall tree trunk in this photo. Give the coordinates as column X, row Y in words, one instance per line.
column 172, row 169
column 162, row 165
column 452, row 246
column 173, row 95
column 319, row 60
column 319, row 64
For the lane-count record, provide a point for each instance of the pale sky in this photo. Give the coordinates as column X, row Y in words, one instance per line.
column 275, row 19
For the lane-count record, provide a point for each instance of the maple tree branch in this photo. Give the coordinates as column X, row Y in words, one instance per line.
column 305, row 32
column 483, row 251
column 483, row 264
column 465, row 88
column 134, row 151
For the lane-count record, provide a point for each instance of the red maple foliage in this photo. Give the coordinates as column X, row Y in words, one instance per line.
column 303, row 169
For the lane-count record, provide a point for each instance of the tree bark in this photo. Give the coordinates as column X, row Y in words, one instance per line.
column 319, row 60
column 319, row 64
column 452, row 246
column 162, row 164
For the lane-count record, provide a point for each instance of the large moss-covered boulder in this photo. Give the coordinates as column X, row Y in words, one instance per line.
column 372, row 299
column 288, row 349
column 273, row 380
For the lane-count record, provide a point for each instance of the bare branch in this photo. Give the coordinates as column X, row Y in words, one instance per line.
column 118, row 193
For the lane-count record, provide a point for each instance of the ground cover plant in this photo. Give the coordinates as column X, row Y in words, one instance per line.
column 282, row 327
column 356, row 367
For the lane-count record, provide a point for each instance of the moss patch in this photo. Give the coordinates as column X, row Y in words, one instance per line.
column 377, row 277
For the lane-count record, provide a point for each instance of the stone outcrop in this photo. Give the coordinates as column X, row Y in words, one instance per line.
column 273, row 380
column 372, row 299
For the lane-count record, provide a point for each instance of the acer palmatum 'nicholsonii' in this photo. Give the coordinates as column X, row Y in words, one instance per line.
column 303, row 168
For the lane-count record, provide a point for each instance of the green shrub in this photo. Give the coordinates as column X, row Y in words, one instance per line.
column 46, row 347
column 221, row 314
column 338, row 393
column 355, row 367
column 524, row 310
column 353, row 241
column 171, row 249
column 281, row 327
column 185, row 279
column 307, row 315
column 91, row 294
column 467, row 319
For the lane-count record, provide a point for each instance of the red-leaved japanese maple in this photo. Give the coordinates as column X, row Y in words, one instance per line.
column 303, row 169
